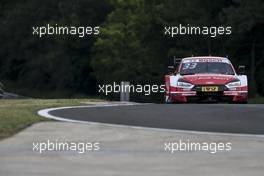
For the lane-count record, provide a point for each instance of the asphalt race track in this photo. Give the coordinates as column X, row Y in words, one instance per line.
column 227, row 118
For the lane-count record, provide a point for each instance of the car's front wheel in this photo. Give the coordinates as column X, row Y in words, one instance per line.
column 167, row 99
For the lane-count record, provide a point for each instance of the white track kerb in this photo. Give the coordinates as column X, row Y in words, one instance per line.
column 45, row 113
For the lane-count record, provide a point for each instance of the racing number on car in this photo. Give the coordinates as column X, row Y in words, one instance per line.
column 191, row 65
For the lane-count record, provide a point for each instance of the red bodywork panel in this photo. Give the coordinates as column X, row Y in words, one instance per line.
column 214, row 79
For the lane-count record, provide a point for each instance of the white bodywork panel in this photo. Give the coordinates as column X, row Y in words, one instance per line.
column 243, row 80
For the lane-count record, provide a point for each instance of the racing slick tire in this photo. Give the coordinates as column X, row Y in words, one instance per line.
column 167, row 99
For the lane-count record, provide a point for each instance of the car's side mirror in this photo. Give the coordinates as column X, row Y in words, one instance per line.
column 171, row 69
column 241, row 70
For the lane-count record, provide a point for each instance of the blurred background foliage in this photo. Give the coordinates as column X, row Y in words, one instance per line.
column 131, row 46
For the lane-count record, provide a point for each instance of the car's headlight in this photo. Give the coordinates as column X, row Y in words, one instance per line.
column 184, row 84
column 233, row 84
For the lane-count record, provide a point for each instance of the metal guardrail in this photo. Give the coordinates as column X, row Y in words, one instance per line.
column 1, row 90
column 7, row 95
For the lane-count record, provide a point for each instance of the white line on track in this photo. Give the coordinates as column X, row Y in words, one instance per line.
column 45, row 113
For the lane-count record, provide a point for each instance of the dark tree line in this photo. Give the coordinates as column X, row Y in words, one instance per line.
column 133, row 48
column 50, row 63
column 131, row 45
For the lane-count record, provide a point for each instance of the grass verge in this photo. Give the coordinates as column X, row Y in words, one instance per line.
column 256, row 100
column 16, row 115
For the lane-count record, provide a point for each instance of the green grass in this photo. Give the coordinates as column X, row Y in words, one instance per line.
column 16, row 115
column 256, row 100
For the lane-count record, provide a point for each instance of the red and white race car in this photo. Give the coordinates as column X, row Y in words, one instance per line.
column 206, row 78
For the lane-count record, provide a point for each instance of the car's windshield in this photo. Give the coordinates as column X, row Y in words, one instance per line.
column 190, row 68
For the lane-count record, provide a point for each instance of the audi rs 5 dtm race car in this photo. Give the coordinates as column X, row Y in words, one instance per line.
column 206, row 78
